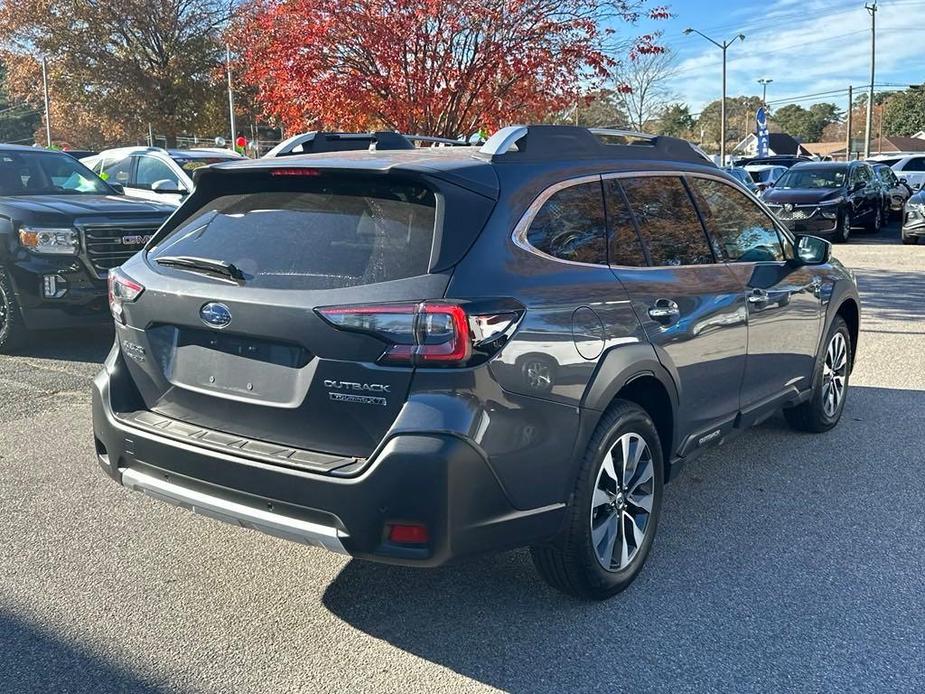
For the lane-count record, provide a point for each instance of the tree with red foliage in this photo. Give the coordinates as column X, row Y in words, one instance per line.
column 439, row 67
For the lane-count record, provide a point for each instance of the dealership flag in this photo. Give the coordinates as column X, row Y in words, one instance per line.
column 761, row 131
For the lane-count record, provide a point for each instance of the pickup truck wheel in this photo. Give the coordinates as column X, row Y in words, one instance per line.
column 830, row 384
column 12, row 330
column 614, row 510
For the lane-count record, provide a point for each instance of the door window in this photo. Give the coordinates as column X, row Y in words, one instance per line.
column 667, row 220
column 917, row 164
column 624, row 246
column 571, row 225
column 117, row 170
column 742, row 230
column 150, row 170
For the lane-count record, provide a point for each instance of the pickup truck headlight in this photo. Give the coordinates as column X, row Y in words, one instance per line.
column 49, row 240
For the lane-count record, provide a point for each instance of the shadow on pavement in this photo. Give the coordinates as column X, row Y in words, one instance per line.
column 84, row 345
column 783, row 561
column 891, row 295
column 32, row 660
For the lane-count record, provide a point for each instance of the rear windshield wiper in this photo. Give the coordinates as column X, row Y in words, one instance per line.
column 209, row 265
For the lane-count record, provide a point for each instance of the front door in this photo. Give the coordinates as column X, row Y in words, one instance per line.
column 783, row 298
column 691, row 307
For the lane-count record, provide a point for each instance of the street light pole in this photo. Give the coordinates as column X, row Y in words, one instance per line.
column 872, row 9
column 722, row 109
column 230, row 94
column 764, row 82
column 47, row 112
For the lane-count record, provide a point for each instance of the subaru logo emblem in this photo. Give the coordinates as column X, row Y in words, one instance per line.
column 215, row 314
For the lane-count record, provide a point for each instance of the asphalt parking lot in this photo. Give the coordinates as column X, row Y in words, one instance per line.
column 784, row 561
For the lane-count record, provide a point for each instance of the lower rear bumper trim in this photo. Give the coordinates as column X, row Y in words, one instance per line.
column 276, row 524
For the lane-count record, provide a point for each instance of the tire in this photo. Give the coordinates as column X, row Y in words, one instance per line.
column 910, row 240
column 843, row 229
column 818, row 414
column 12, row 329
column 604, row 516
column 875, row 224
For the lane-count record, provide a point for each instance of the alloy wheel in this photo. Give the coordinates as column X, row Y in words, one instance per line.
column 621, row 505
column 4, row 309
column 834, row 374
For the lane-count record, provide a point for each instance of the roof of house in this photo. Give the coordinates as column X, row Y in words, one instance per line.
column 782, row 143
column 824, row 149
column 895, row 143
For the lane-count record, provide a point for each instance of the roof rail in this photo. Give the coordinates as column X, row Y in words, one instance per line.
column 320, row 141
column 437, row 140
column 547, row 142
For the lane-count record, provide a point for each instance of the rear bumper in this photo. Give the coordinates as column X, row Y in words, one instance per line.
column 437, row 479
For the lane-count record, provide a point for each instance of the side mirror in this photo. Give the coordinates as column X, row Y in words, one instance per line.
column 118, row 187
column 856, row 186
column 811, row 250
column 165, row 185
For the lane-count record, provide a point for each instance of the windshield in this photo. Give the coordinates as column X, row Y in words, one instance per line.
column 47, row 173
column 765, row 175
column 190, row 164
column 812, row 178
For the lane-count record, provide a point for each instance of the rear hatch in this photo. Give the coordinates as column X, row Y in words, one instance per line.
column 224, row 340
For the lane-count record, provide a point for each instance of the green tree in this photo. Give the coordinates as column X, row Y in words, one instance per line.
column 740, row 120
column 18, row 121
column 904, row 113
column 114, row 67
column 804, row 124
column 675, row 120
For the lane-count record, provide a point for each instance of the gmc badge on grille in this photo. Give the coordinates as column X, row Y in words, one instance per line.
column 136, row 240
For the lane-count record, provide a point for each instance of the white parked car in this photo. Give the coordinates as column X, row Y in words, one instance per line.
column 911, row 169
column 764, row 175
column 153, row 173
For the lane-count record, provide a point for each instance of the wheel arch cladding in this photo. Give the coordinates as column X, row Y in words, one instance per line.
column 849, row 311
column 651, row 395
column 634, row 373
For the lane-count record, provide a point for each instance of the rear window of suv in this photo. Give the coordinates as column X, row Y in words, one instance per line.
column 322, row 233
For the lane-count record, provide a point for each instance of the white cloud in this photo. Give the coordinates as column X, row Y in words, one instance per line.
column 805, row 47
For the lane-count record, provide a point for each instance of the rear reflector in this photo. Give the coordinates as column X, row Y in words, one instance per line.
column 409, row 534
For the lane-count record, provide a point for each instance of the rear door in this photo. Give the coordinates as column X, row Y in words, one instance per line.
column 783, row 298
column 691, row 307
column 251, row 357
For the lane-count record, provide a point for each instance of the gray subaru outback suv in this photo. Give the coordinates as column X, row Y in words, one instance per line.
column 410, row 356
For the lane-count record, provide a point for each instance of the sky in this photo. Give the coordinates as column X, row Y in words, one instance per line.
column 805, row 46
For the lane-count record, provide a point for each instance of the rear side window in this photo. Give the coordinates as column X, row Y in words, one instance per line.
column 667, row 220
column 744, row 232
column 916, row 164
column 571, row 225
column 322, row 233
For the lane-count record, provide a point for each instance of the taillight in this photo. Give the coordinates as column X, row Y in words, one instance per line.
column 429, row 333
column 122, row 289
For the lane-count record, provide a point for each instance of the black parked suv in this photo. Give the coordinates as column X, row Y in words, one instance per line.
column 61, row 230
column 828, row 198
column 411, row 356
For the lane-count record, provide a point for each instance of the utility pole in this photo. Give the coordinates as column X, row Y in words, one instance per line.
column 47, row 112
column 150, row 135
column 872, row 10
column 234, row 131
column 849, row 124
column 722, row 110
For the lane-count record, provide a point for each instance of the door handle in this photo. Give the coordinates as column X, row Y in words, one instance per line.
column 758, row 296
column 664, row 311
